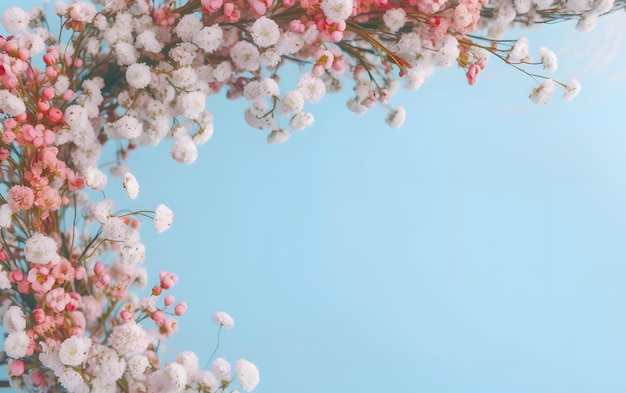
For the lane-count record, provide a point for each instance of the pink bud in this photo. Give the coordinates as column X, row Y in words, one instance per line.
column 17, row 368
column 127, row 316
column 49, row 59
column 180, row 308
column 99, row 268
column 47, row 93
column 158, row 317
column 16, row 276
column 169, row 300
column 43, row 105
column 55, row 115
column 79, row 274
column 68, row 95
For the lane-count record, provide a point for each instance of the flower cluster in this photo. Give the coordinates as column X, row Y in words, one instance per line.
column 139, row 71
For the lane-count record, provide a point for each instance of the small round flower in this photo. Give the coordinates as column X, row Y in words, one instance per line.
column 548, row 59
column 571, row 90
column 131, row 185
column 95, row 179
column 16, row 344
column 138, row 75
column 543, row 93
column 15, row 20
column 129, row 339
column 265, row 32
column 14, row 320
column 224, row 320
column 41, row 249
column 276, row 137
column 74, row 350
column 337, row 10
column 247, row 374
column 245, row 56
column 519, row 51
column 301, row 120
column 163, row 218
column 291, row 102
column 394, row 19
column 184, row 150
column 396, row 118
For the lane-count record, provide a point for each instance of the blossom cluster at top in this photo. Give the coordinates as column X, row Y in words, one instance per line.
column 139, row 71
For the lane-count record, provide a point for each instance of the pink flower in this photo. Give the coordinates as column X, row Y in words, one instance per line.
column 40, row 279
column 57, row 299
column 167, row 279
column 180, row 308
column 21, row 198
column 212, row 6
column 17, row 368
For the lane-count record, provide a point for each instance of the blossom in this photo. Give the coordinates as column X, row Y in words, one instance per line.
column 394, row 18
column 131, row 185
column 16, row 344
column 247, row 374
column 138, row 75
column 129, row 339
column 542, row 94
column 224, row 320
column 163, row 218
column 571, row 90
column 397, row 117
column 548, row 59
column 337, row 10
column 14, row 320
column 184, row 150
column 41, row 249
column 265, row 32
column 15, row 20
column 74, row 350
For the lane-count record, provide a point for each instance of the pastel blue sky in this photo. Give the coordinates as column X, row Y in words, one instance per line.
column 478, row 249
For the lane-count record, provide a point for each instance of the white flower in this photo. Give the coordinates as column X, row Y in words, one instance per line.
column 41, row 249
column 542, row 94
column 129, row 339
column 125, row 53
column 417, row 75
column 16, row 344
column 149, row 42
column 311, row 88
column 449, row 52
column 519, row 51
column 224, row 319
column 131, row 185
column 245, row 56
column 276, row 137
column 94, row 178
column 301, row 120
column 221, row 369
column 10, row 104
column 548, row 59
column 571, row 90
column 394, row 19
column 265, row 32
column 137, row 365
column 337, row 10
column 14, row 320
column 6, row 215
column 184, row 150
column 114, row 229
column 189, row 360
column 73, row 351
column 188, row 26
column 247, row 374
column 73, row 381
column 133, row 254
column 138, row 75
column 163, row 218
column 291, row 102
column 126, row 127
column 397, row 117
column 15, row 20
column 5, row 283
column 209, row 38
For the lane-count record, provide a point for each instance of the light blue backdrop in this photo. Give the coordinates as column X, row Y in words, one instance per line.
column 478, row 249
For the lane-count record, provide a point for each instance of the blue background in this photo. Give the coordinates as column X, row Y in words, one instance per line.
column 478, row 249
